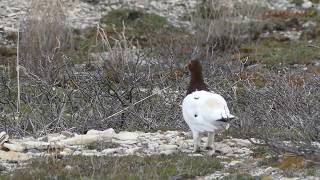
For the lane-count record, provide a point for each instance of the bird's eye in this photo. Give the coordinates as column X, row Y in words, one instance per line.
column 196, row 115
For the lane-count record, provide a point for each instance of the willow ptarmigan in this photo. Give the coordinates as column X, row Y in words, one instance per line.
column 203, row 111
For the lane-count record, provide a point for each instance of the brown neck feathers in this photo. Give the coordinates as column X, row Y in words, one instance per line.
column 196, row 81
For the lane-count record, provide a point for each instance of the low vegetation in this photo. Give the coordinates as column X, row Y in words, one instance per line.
column 128, row 167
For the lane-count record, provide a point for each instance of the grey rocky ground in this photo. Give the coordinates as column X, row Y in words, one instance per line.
column 82, row 14
column 233, row 152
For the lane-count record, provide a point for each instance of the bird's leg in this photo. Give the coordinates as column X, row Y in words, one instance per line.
column 196, row 142
column 210, row 141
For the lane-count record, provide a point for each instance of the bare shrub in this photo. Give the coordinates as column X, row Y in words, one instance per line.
column 284, row 115
column 125, row 92
column 44, row 37
column 222, row 25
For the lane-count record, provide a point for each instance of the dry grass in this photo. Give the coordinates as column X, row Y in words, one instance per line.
column 43, row 38
column 222, row 25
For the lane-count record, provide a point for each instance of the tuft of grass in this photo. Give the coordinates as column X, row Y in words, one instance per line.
column 126, row 167
column 101, row 145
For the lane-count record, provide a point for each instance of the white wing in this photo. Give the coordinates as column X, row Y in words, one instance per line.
column 202, row 109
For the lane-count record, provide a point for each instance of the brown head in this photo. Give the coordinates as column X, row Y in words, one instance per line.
column 196, row 80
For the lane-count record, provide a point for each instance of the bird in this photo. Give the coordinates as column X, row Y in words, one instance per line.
column 203, row 110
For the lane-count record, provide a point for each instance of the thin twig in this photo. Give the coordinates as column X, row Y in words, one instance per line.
column 18, row 72
column 134, row 104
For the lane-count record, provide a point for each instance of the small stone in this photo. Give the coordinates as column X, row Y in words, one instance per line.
column 110, row 151
column 225, row 149
column 168, row 147
column 90, row 153
column 55, row 137
column 66, row 152
column 13, row 156
column 2, row 168
column 14, row 147
column 131, row 151
column 269, row 170
column 233, row 163
column 68, row 167
column 33, row 151
column 76, row 153
column 167, row 152
column 241, row 142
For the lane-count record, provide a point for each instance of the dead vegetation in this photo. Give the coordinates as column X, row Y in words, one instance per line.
column 44, row 40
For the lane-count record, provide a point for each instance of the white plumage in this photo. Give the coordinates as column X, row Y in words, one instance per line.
column 205, row 111
column 202, row 110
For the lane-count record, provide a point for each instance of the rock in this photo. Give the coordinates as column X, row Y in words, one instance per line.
column 14, row 147
column 238, row 142
column 225, row 149
column 67, row 134
column 131, row 151
column 106, row 133
column 168, row 149
column 66, row 152
column 234, row 163
column 110, row 151
column 84, row 139
column 307, row 4
column 216, row 175
column 68, row 167
column 126, row 142
column 2, row 168
column 13, row 156
column 34, row 151
column 36, row 145
column 270, row 170
column 167, row 152
column 55, row 137
column 3, row 137
column 125, row 135
column 90, row 153
column 309, row 24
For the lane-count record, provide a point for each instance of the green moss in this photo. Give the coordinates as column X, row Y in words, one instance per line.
column 7, row 52
column 127, row 167
column 270, row 51
column 125, row 26
column 134, row 18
